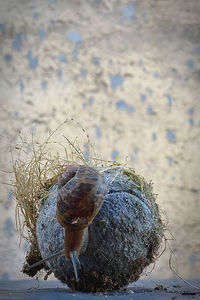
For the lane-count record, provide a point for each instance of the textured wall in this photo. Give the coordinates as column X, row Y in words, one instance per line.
column 129, row 72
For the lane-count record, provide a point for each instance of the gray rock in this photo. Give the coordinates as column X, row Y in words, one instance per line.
column 123, row 239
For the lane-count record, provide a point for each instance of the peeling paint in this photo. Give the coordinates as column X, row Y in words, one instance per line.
column 116, row 80
column 74, row 37
column 17, row 43
column 122, row 105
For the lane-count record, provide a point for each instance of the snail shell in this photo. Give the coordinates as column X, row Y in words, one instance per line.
column 81, row 192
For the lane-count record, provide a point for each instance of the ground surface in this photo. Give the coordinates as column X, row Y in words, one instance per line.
column 128, row 72
column 144, row 289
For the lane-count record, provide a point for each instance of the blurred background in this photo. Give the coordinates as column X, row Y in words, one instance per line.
column 129, row 73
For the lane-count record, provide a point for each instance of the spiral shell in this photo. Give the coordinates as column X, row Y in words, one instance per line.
column 81, row 192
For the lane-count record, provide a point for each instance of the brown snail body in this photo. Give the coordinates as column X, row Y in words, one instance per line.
column 81, row 193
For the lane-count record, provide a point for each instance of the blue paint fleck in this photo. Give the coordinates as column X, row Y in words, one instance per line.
column 149, row 91
column 44, row 84
column 135, row 152
column 198, row 50
column 21, row 84
column 36, row 15
column 171, row 137
column 65, row 100
column 97, row 132
column 87, row 150
column 75, row 53
column 97, row 2
column 144, row 70
column 170, row 160
column 17, row 43
column 190, row 111
column 60, row 73
column 191, row 121
column 128, row 12
column 52, row 1
column 154, row 136
column 91, row 100
column 74, row 37
column 29, row 54
column 7, row 57
column 116, row 80
column 169, row 98
column 95, row 60
column 9, row 228
column 192, row 259
column 122, row 105
column 16, row 113
column 140, row 62
column 42, row 34
column 62, row 57
column 143, row 97
column 155, row 75
column 150, row 109
column 115, row 155
column 2, row 28
column 33, row 61
column 190, row 63
column 83, row 73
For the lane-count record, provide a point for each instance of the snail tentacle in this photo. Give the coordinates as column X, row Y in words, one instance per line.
column 51, row 257
column 75, row 261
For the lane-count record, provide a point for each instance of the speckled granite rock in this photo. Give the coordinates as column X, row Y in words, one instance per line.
column 123, row 238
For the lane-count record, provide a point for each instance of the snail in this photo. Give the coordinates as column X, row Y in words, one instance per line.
column 81, row 193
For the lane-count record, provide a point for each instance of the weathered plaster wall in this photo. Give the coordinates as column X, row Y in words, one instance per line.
column 128, row 71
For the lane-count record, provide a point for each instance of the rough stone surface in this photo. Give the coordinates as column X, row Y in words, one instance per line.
column 122, row 238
